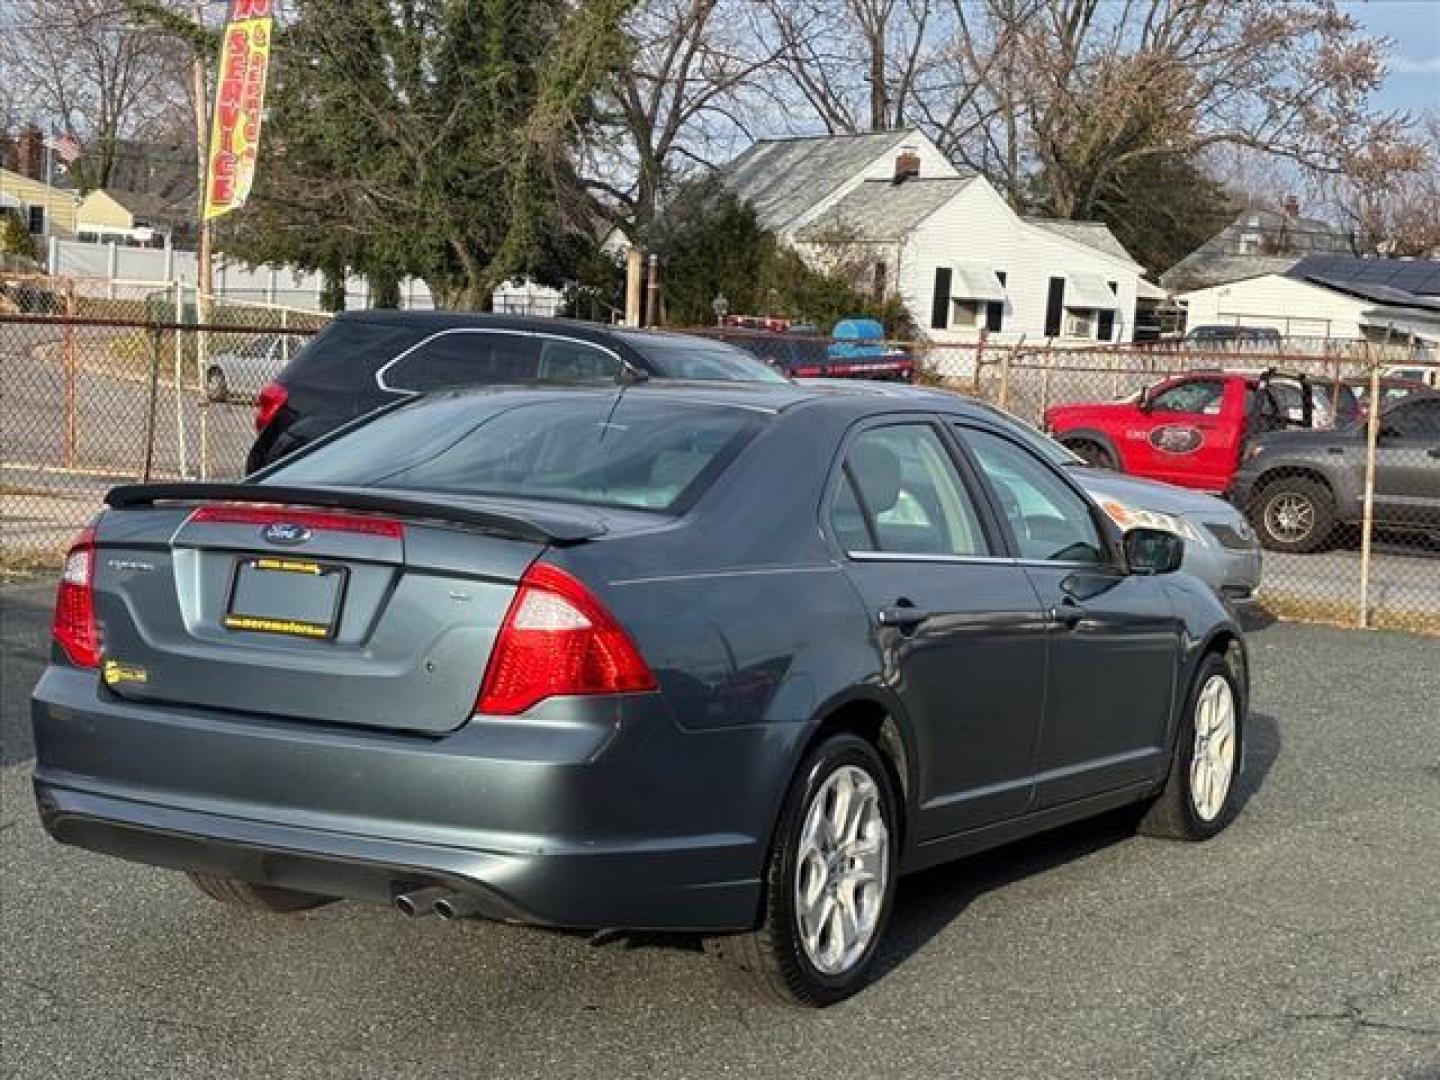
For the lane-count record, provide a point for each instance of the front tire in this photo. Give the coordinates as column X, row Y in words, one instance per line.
column 271, row 898
column 830, row 880
column 1294, row 514
column 1200, row 794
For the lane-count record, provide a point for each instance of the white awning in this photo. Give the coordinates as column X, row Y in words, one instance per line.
column 974, row 281
column 1089, row 291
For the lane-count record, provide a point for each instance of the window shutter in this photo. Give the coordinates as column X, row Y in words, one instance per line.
column 1105, row 331
column 995, row 310
column 940, row 309
column 1055, row 307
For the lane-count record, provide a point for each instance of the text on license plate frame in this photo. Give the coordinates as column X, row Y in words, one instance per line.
column 277, row 624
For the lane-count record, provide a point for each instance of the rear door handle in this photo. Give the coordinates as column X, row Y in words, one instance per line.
column 1067, row 613
column 903, row 616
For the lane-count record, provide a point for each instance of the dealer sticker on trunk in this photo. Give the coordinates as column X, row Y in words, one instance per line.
column 117, row 672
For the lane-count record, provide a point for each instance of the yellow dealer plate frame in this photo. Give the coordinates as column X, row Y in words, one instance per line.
column 276, row 622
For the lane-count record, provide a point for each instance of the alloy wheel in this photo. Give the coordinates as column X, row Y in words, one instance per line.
column 1289, row 517
column 842, row 870
column 1212, row 763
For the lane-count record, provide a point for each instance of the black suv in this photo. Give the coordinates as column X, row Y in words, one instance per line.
column 366, row 359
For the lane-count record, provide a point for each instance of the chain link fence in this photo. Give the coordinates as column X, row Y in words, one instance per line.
column 106, row 382
column 1351, row 521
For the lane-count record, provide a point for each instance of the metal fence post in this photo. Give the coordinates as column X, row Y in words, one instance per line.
column 150, row 406
column 1367, row 522
column 70, row 376
column 1004, row 397
column 180, row 439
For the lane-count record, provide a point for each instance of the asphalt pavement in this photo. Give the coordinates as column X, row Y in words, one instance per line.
column 1303, row 942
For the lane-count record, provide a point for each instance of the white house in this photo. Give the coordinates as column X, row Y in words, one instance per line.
column 890, row 209
column 1300, row 307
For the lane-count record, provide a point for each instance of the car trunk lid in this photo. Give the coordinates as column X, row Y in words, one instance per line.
column 366, row 608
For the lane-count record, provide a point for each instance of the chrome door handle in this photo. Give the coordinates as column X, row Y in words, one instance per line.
column 1067, row 613
column 903, row 616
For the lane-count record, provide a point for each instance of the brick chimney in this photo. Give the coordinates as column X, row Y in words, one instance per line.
column 1292, row 207
column 907, row 164
column 30, row 153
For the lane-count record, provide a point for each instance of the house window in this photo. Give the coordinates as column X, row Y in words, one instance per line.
column 995, row 309
column 1080, row 322
column 940, row 301
column 878, row 281
column 36, row 221
column 1250, row 243
column 966, row 313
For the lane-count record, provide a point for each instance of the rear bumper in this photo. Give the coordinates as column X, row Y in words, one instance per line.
column 592, row 816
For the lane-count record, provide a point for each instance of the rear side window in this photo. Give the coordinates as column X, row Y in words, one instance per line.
column 901, row 493
column 461, row 358
column 597, row 449
column 348, row 351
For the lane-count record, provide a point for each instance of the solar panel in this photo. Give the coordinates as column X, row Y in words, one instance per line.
column 1420, row 276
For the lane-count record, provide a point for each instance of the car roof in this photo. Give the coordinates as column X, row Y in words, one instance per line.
column 852, row 395
column 432, row 321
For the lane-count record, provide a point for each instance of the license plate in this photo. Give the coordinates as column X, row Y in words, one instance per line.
column 294, row 597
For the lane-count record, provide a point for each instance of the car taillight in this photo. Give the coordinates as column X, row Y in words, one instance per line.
column 74, row 628
column 558, row 639
column 272, row 399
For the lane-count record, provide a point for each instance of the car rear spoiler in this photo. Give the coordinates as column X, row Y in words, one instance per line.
column 520, row 524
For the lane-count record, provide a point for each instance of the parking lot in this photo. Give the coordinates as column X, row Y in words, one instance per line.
column 1303, row 942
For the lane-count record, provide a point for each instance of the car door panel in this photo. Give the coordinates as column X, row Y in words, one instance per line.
column 958, row 630
column 1113, row 638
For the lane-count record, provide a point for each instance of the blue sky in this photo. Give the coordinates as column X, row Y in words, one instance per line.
column 1414, row 81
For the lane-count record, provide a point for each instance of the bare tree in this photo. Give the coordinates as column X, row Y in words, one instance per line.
column 84, row 66
column 855, row 65
column 680, row 99
column 1390, row 205
column 1073, row 93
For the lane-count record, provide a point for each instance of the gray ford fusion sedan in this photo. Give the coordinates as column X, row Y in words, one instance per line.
column 722, row 659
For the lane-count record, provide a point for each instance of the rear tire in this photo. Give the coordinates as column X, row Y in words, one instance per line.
column 1294, row 514
column 1199, row 799
column 804, row 952
column 271, row 898
column 1093, row 453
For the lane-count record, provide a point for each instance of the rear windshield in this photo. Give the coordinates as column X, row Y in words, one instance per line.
column 684, row 357
column 614, row 450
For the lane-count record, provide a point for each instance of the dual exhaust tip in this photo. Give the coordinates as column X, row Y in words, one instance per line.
column 437, row 900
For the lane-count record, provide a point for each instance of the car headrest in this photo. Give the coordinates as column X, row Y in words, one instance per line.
column 877, row 471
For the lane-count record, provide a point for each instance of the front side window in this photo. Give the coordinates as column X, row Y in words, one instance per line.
column 459, row 359
column 1203, row 396
column 1050, row 521
column 900, row 494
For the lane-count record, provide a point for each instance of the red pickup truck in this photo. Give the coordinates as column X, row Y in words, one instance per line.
column 1191, row 430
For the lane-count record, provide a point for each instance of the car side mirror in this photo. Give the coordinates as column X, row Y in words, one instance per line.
column 1153, row 551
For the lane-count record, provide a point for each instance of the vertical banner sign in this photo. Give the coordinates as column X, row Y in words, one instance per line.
column 239, row 102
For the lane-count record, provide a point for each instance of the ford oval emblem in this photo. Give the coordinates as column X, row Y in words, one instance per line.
column 285, row 532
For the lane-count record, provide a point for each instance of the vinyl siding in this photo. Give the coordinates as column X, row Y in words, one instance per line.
column 1295, row 308
column 979, row 227
column 60, row 205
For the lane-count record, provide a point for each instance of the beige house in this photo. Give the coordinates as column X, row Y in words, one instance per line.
column 132, row 218
column 46, row 210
